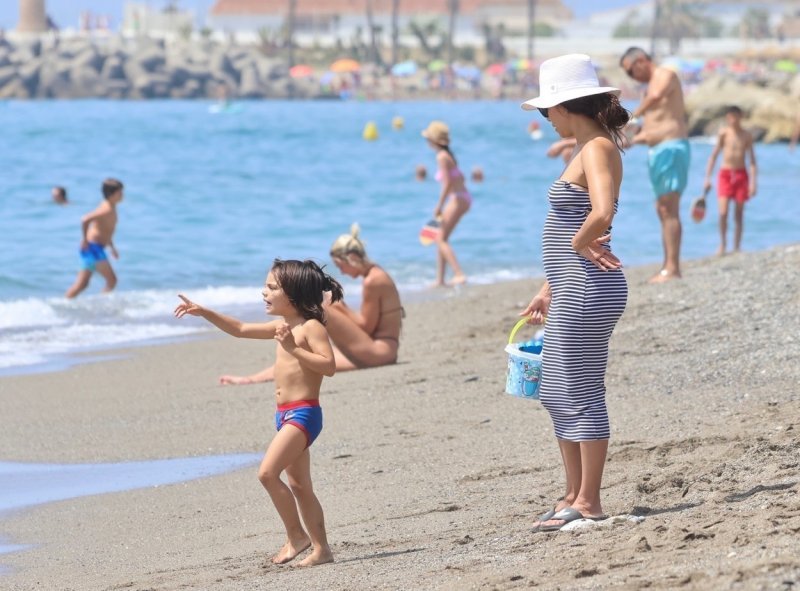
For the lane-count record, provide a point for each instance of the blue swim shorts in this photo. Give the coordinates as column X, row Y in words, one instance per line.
column 92, row 255
column 306, row 415
column 668, row 163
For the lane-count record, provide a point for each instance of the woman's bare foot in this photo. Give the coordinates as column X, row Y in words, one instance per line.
column 720, row 251
column 318, row 556
column 663, row 276
column 291, row 550
column 459, row 279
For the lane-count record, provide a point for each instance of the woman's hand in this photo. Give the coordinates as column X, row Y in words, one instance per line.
column 537, row 309
column 599, row 256
column 285, row 337
column 188, row 307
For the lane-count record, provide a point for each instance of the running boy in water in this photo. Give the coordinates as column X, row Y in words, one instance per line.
column 97, row 232
column 733, row 182
column 295, row 291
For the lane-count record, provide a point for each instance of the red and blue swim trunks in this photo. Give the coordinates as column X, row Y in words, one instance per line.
column 306, row 415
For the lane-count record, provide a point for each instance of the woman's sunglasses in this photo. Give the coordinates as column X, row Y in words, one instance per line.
column 544, row 111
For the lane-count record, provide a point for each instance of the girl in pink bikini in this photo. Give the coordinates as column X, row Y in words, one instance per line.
column 454, row 200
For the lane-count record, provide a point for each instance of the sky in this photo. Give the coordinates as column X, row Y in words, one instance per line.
column 65, row 12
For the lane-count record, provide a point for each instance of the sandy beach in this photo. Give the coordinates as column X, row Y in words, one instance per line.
column 431, row 476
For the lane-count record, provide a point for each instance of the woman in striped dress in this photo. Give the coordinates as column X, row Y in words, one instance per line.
column 585, row 292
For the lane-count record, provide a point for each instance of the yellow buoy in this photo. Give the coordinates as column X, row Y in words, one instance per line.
column 370, row 131
column 398, row 123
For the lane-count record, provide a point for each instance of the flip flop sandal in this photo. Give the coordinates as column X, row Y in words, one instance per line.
column 567, row 515
column 546, row 516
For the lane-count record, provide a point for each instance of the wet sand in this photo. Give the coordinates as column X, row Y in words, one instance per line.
column 429, row 475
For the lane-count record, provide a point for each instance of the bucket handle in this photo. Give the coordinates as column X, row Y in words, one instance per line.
column 520, row 323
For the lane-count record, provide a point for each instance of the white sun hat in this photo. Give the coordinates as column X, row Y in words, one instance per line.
column 565, row 78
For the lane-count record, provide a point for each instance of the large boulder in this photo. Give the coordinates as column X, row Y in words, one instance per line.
column 251, row 86
column 151, row 59
column 151, row 85
column 7, row 74
column 29, row 74
column 14, row 89
column 89, row 58
column 769, row 112
column 54, row 80
column 113, row 68
column 221, row 67
column 192, row 89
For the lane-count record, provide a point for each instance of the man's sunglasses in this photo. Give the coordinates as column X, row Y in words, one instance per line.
column 544, row 111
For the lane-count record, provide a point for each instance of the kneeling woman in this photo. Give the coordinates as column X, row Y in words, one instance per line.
column 369, row 337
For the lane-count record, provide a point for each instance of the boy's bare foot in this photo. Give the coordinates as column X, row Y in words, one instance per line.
column 291, row 550
column 317, row 557
column 720, row 251
column 663, row 276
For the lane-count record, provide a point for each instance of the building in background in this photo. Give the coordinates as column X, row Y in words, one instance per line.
column 139, row 18
column 32, row 17
column 328, row 20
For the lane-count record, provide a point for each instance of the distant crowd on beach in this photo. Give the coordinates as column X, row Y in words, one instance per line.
column 583, row 296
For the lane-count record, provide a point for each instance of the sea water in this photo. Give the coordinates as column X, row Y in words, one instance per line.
column 212, row 198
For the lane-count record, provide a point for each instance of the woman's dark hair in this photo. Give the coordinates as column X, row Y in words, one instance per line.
column 449, row 151
column 606, row 110
column 304, row 283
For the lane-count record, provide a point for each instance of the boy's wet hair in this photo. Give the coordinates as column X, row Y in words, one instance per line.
column 733, row 109
column 111, row 186
column 61, row 191
column 305, row 284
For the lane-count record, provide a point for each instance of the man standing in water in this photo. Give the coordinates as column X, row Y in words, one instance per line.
column 664, row 129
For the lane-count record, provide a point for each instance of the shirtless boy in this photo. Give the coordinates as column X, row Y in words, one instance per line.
column 733, row 182
column 665, row 131
column 97, row 232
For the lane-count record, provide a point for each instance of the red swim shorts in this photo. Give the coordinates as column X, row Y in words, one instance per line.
column 733, row 184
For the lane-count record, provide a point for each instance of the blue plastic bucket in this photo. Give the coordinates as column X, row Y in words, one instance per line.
column 524, row 372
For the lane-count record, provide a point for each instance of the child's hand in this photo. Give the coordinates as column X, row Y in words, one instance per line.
column 752, row 190
column 706, row 186
column 285, row 337
column 114, row 253
column 187, row 307
column 537, row 309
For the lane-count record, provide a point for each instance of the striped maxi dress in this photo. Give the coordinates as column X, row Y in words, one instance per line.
column 586, row 304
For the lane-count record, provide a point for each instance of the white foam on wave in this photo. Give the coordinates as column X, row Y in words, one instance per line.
column 33, row 347
column 28, row 312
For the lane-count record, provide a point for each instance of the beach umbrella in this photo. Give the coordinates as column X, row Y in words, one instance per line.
column 467, row 72
column 437, row 66
column 404, row 68
column 520, row 65
column 496, row 69
column 300, row 71
column 785, row 66
column 344, row 66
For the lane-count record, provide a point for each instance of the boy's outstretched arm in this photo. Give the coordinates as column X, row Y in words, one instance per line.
column 320, row 359
column 712, row 160
column 233, row 326
column 753, row 167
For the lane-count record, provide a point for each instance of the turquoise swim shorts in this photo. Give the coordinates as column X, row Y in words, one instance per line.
column 668, row 163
